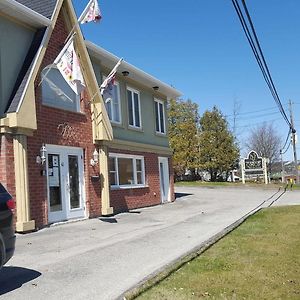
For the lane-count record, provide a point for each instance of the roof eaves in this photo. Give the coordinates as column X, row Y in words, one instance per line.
column 140, row 74
column 24, row 13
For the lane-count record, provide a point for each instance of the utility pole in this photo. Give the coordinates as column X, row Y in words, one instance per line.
column 294, row 141
column 282, row 167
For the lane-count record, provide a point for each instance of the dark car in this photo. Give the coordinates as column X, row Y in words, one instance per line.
column 7, row 231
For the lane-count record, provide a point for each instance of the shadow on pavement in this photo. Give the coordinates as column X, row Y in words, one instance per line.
column 12, row 278
column 108, row 220
column 180, row 195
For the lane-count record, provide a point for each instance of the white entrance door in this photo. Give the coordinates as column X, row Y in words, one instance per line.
column 65, row 181
column 164, row 179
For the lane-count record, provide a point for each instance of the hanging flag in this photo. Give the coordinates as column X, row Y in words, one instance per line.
column 68, row 64
column 91, row 13
column 109, row 81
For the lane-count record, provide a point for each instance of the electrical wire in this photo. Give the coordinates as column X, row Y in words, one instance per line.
column 286, row 149
column 257, row 51
column 258, row 123
column 287, row 138
column 264, row 61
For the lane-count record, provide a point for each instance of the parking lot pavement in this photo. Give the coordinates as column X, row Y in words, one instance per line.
column 102, row 258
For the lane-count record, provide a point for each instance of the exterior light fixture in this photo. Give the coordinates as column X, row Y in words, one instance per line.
column 40, row 159
column 95, row 158
column 125, row 73
column 156, row 88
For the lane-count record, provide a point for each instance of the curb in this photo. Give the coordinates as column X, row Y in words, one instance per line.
column 162, row 273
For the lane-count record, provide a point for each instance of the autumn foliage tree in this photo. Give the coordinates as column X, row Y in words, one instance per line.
column 183, row 135
column 218, row 150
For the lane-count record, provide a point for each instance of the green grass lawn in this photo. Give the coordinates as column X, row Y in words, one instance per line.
column 258, row 260
column 232, row 184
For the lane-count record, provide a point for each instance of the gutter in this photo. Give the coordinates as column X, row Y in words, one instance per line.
column 129, row 67
column 25, row 11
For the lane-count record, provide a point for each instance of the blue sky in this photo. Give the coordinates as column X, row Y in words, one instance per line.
column 198, row 47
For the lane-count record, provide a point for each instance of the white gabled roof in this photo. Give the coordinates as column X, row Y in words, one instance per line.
column 23, row 13
column 109, row 60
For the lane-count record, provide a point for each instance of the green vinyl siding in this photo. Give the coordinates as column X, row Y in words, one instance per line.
column 15, row 41
column 147, row 133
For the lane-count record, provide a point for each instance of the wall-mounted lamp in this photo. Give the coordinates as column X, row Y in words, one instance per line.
column 40, row 159
column 125, row 73
column 95, row 158
column 156, row 88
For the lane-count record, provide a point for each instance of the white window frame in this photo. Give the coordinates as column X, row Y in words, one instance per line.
column 112, row 120
column 164, row 117
column 44, row 78
column 134, row 158
column 132, row 90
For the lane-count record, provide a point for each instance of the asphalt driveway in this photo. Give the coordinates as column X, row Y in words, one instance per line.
column 103, row 258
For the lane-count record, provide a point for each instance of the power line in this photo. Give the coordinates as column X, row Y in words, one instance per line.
column 257, row 51
column 287, row 139
column 258, row 123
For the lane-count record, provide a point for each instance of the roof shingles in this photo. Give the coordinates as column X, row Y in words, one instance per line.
column 43, row 7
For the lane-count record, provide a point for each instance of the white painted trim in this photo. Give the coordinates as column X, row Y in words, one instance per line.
column 65, row 151
column 134, row 91
column 116, row 83
column 134, row 158
column 24, row 10
column 165, row 162
column 139, row 75
column 164, row 118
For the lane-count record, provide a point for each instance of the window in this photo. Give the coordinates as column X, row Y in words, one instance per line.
column 134, row 108
column 111, row 97
column 126, row 170
column 159, row 116
column 56, row 92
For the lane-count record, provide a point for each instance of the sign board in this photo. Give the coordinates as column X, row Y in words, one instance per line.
column 253, row 165
column 253, row 162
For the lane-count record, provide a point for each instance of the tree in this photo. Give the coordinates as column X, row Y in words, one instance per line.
column 183, row 135
column 218, row 150
column 266, row 142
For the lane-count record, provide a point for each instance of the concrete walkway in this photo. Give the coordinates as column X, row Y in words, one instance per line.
column 103, row 258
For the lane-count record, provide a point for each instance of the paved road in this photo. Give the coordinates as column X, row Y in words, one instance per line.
column 102, row 258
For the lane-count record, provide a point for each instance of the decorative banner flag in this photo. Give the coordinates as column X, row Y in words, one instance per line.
column 68, row 64
column 91, row 13
column 109, row 81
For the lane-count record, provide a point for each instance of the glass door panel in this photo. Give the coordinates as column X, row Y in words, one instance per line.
column 55, row 195
column 74, row 182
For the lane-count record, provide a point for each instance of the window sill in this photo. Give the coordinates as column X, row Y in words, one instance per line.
column 116, row 124
column 128, row 187
column 160, row 134
column 66, row 110
column 138, row 129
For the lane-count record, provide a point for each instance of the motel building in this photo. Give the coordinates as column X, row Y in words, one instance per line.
column 65, row 155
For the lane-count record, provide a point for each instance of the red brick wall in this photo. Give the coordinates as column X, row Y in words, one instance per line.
column 80, row 135
column 125, row 199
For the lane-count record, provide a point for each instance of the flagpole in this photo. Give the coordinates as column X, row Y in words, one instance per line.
column 113, row 71
column 85, row 11
column 61, row 53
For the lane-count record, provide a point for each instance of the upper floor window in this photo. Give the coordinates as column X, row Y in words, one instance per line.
column 111, row 96
column 159, row 116
column 56, row 92
column 134, row 108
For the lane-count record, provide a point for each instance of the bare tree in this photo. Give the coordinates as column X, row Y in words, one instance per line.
column 265, row 140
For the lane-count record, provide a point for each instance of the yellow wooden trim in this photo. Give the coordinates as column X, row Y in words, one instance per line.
column 102, row 128
column 21, row 181
column 137, row 147
column 106, row 209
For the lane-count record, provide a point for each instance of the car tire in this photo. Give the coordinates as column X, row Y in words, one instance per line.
column 2, row 251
